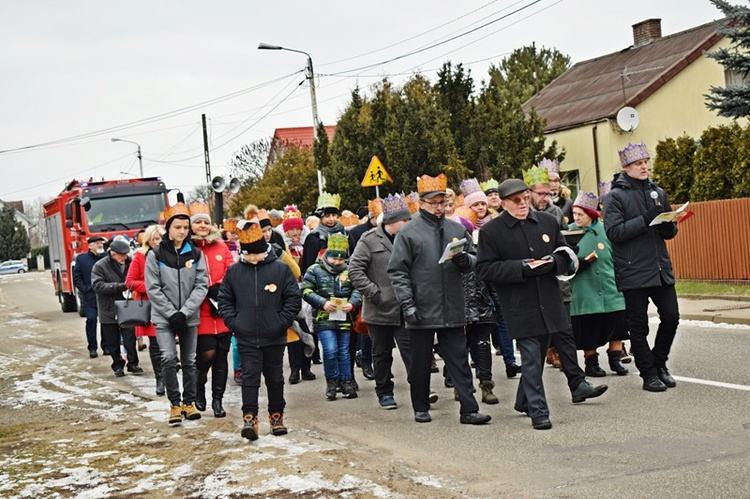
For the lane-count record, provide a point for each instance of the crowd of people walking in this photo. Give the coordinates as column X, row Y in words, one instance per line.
column 428, row 273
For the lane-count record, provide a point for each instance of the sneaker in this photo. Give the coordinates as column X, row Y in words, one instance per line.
column 277, row 424
column 119, row 372
column 93, row 354
column 238, row 376
column 190, row 412
column 433, row 397
column 175, row 414
column 135, row 369
column 349, row 389
column 250, row 429
column 387, row 402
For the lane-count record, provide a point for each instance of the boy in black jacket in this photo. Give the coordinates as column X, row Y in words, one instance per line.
column 258, row 300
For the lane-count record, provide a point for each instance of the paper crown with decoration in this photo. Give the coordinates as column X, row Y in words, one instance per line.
column 467, row 213
column 291, row 211
column 552, row 166
column 327, row 200
column 413, row 202
column 251, row 232
column 375, row 206
column 604, row 188
column 176, row 210
column 431, row 186
column 395, row 208
column 536, row 175
column 490, row 185
column 230, row 225
column 588, row 202
column 633, row 153
column 472, row 192
column 337, row 246
column 349, row 219
column 199, row 211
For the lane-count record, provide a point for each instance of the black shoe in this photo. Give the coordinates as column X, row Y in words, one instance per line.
column 294, row 378
column 106, row 352
column 316, row 361
column 587, row 391
column 331, row 388
column 422, row 417
column 654, row 384
column 615, row 363
column 541, row 423
column 160, row 391
column 512, row 369
column 119, row 372
column 348, row 389
column 475, row 418
column 595, row 371
column 522, row 410
column 358, row 358
column 308, row 375
column 367, row 371
column 93, row 354
column 219, row 411
column 135, row 369
column 665, row 377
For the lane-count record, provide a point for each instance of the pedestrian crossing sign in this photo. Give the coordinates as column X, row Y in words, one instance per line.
column 376, row 174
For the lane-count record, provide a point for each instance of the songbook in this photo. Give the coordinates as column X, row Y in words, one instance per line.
column 339, row 314
column 573, row 236
column 676, row 216
column 452, row 249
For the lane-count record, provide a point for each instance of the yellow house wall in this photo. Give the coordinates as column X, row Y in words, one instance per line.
column 677, row 108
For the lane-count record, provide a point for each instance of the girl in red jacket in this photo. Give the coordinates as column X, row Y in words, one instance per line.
column 214, row 337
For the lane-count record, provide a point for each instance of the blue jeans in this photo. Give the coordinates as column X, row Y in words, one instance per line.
column 336, row 359
column 91, row 323
column 168, row 351
column 503, row 341
column 236, row 363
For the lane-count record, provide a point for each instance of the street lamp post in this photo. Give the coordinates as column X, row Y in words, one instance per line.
column 314, row 101
column 140, row 157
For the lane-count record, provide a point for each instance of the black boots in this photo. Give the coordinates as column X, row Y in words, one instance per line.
column 200, row 388
column 592, row 367
column 331, row 385
column 218, row 385
column 615, row 362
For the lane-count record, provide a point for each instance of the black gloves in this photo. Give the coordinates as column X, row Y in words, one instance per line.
column 462, row 261
column 666, row 230
column 541, row 269
column 412, row 316
column 583, row 264
column 178, row 323
column 654, row 212
column 213, row 291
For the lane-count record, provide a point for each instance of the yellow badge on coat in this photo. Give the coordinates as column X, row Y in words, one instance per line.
column 219, row 258
column 600, row 246
column 545, row 238
column 271, row 287
column 189, row 264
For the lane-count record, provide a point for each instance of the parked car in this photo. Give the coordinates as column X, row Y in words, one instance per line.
column 13, row 267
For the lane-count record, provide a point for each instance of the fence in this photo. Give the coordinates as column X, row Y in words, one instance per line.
column 715, row 243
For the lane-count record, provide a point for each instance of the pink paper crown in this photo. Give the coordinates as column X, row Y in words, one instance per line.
column 587, row 200
column 552, row 166
column 604, row 188
column 633, row 153
column 392, row 204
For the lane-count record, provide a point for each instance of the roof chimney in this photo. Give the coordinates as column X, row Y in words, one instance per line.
column 646, row 32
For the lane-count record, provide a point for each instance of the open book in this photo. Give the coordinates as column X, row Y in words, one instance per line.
column 676, row 216
column 452, row 249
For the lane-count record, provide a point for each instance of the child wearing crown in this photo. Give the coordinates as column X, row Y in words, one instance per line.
column 327, row 288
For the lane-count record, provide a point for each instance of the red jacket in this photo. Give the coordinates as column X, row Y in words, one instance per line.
column 218, row 258
column 136, row 281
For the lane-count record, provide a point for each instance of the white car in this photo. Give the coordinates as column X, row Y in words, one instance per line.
column 13, row 267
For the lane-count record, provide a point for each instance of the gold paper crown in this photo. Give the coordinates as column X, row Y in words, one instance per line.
column 459, row 200
column 230, row 225
column 536, row 175
column 263, row 214
column 176, row 209
column 251, row 234
column 349, row 220
column 467, row 213
column 375, row 206
column 196, row 208
column 326, row 200
column 426, row 184
column 490, row 184
column 413, row 202
column 291, row 211
column 338, row 242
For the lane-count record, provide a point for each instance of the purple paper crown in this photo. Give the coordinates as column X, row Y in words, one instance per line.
column 633, row 153
column 604, row 188
column 393, row 204
column 587, row 200
column 552, row 166
column 472, row 191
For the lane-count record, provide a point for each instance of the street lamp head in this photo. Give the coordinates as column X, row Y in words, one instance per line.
column 266, row 46
column 115, row 140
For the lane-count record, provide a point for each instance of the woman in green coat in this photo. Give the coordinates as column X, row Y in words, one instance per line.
column 598, row 308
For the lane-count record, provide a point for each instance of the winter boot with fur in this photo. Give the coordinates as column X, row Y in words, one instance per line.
column 487, row 396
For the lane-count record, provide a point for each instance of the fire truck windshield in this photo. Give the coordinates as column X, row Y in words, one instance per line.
column 124, row 212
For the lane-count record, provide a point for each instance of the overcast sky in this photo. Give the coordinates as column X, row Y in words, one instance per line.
column 91, row 67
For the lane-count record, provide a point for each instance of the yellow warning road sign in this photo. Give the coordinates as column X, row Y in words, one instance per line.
column 376, row 174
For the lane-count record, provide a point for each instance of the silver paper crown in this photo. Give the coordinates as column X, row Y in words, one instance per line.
column 392, row 204
column 587, row 200
column 633, row 153
column 552, row 165
column 604, row 188
column 470, row 186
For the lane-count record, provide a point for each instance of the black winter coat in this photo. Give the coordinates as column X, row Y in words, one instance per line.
column 108, row 282
column 478, row 300
column 532, row 306
column 640, row 253
column 259, row 302
column 82, row 277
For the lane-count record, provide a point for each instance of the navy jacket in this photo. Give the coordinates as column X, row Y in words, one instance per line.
column 82, row 276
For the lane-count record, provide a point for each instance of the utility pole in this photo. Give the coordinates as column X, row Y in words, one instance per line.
column 205, row 149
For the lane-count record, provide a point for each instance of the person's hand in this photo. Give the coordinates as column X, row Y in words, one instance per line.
column 462, row 261
column 541, row 269
column 654, row 212
column 412, row 316
column 213, row 292
column 347, row 308
column 665, row 230
column 178, row 323
column 328, row 306
column 377, row 298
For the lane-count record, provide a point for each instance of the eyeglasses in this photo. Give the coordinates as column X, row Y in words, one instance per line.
column 441, row 204
column 542, row 194
column 518, row 199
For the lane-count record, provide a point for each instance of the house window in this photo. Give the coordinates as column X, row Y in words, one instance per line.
column 572, row 180
column 735, row 78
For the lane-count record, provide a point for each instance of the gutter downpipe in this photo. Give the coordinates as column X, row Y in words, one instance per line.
column 596, row 154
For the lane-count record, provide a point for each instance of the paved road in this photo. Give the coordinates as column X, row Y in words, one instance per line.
column 692, row 441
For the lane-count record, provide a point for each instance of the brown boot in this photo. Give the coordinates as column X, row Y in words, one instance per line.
column 487, row 396
column 190, row 412
column 277, row 424
column 175, row 414
column 556, row 359
column 550, row 356
column 250, row 429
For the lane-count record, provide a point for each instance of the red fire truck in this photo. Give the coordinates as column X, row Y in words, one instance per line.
column 85, row 209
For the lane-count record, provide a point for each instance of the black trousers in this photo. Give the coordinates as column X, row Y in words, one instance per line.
column 111, row 334
column 478, row 343
column 565, row 343
column 452, row 343
column 383, row 339
column 268, row 361
column 298, row 361
column 636, row 307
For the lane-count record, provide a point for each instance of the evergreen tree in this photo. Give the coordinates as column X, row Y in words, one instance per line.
column 741, row 168
column 532, row 68
column 14, row 241
column 455, row 95
column 713, row 163
column 673, row 168
column 733, row 101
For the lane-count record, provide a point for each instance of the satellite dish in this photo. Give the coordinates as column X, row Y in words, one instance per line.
column 627, row 119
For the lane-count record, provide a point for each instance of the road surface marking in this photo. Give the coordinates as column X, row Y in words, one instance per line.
column 713, row 383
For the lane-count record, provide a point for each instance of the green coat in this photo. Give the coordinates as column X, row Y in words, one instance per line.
column 594, row 289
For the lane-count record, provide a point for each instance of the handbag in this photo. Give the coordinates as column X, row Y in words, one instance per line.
column 131, row 313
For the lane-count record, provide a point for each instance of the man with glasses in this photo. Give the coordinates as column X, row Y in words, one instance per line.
column 431, row 298
column 556, row 188
column 521, row 252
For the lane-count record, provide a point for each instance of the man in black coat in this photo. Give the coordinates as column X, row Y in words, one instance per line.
column 521, row 252
column 108, row 281
column 82, row 281
column 643, row 269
